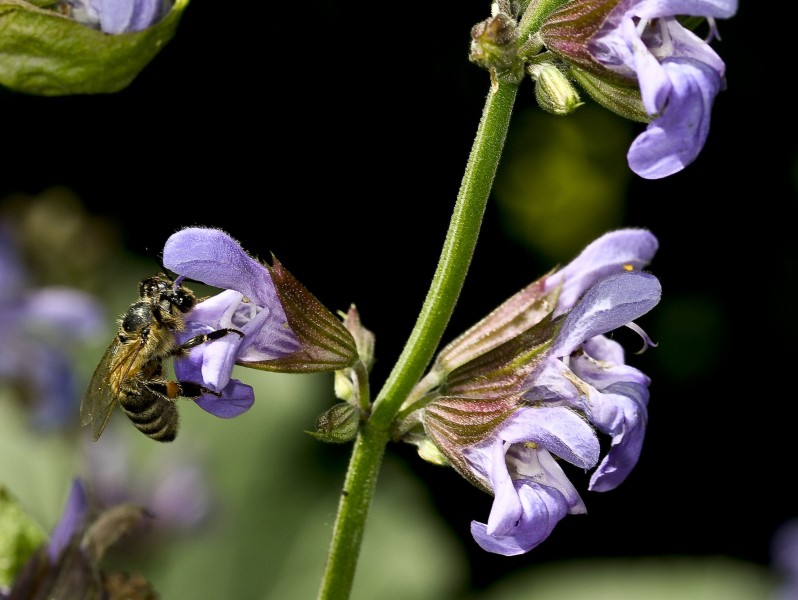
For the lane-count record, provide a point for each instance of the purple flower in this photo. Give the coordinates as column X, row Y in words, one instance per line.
column 249, row 304
column 119, row 16
column 72, row 521
column 784, row 558
column 68, row 567
column 678, row 73
column 531, row 491
column 38, row 328
column 504, row 436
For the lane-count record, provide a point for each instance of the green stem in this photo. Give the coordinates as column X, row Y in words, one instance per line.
column 363, row 391
column 361, row 479
column 458, row 250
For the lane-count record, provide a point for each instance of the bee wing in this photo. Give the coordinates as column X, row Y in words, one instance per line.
column 106, row 383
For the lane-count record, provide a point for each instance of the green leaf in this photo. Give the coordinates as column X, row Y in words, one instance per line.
column 19, row 537
column 45, row 53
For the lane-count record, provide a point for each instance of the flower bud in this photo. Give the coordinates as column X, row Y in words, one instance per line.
column 553, row 91
column 428, row 451
column 338, row 424
column 494, row 47
column 364, row 339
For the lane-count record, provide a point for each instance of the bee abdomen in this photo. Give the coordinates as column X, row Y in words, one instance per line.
column 153, row 414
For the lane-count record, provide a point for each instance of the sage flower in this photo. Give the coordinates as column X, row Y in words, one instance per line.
column 678, row 73
column 282, row 326
column 535, row 381
column 119, row 16
column 635, row 58
column 249, row 304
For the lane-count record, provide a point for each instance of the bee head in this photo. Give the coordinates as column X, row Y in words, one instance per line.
column 154, row 288
column 160, row 290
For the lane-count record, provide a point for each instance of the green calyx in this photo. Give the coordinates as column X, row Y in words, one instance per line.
column 338, row 424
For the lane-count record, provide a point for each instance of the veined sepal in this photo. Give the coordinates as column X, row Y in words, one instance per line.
column 326, row 344
column 515, row 315
column 338, row 424
column 503, row 370
column 621, row 98
column 568, row 31
column 454, row 423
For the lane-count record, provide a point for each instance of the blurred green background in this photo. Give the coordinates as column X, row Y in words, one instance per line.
column 348, row 172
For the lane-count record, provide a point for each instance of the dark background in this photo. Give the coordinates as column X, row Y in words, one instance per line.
column 335, row 136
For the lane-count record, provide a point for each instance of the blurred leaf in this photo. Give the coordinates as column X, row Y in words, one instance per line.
column 36, row 468
column 19, row 537
column 48, row 54
column 654, row 578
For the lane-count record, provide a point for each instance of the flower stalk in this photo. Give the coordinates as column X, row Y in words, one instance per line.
column 455, row 259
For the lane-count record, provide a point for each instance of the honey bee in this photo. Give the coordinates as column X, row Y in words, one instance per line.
column 131, row 372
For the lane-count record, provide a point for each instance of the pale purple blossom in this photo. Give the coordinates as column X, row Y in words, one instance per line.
column 531, row 491
column 119, row 16
column 784, row 560
column 580, row 385
column 39, row 329
column 248, row 304
column 72, row 521
column 678, row 73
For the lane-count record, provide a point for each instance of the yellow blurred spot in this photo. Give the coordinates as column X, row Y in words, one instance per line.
column 563, row 180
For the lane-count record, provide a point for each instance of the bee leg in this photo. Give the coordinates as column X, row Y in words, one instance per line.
column 189, row 389
column 208, row 337
column 186, row 389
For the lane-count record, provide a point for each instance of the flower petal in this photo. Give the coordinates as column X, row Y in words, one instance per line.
column 237, row 398
column 623, row 416
column 557, row 429
column 611, row 253
column 651, row 9
column 71, row 521
column 66, row 312
column 214, row 258
column 674, row 140
column 543, row 508
column 616, row 402
column 611, row 303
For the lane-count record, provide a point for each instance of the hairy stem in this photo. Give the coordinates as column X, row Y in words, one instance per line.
column 458, row 250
